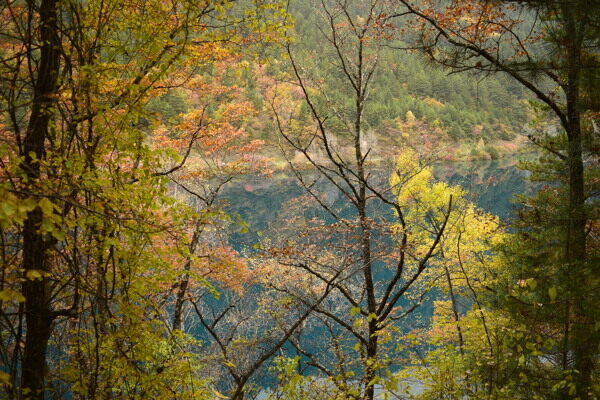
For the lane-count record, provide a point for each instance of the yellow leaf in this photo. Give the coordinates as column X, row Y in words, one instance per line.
column 11, row 295
column 4, row 378
column 219, row 394
column 33, row 274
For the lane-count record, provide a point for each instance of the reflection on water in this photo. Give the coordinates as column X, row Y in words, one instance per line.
column 263, row 202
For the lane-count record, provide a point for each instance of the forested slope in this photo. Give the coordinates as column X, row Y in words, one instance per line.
column 467, row 115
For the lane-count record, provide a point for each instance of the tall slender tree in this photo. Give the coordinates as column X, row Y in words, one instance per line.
column 382, row 260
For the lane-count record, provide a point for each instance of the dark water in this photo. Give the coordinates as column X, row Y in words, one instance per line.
column 492, row 185
column 264, row 206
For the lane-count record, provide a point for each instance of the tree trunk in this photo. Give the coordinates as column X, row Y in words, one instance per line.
column 371, row 369
column 38, row 314
column 185, row 279
column 583, row 335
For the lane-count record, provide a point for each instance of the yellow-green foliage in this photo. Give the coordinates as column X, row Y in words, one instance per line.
column 464, row 347
column 469, row 232
column 92, row 209
column 135, row 358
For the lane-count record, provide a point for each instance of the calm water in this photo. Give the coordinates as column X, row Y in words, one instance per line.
column 265, row 205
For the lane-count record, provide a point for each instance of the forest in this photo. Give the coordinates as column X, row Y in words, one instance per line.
column 299, row 199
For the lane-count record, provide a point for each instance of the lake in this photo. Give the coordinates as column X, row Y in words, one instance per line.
column 264, row 206
column 259, row 201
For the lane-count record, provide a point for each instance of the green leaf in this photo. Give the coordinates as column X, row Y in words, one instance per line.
column 8, row 209
column 552, row 292
column 58, row 234
column 358, row 322
column 46, row 206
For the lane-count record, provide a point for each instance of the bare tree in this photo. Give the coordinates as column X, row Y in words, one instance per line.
column 378, row 261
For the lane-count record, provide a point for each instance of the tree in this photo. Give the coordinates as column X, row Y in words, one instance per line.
column 550, row 48
column 214, row 295
column 83, row 193
column 384, row 237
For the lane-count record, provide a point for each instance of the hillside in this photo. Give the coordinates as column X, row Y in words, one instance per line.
column 465, row 116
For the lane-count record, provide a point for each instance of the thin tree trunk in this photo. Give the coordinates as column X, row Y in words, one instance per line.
column 185, row 279
column 455, row 312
